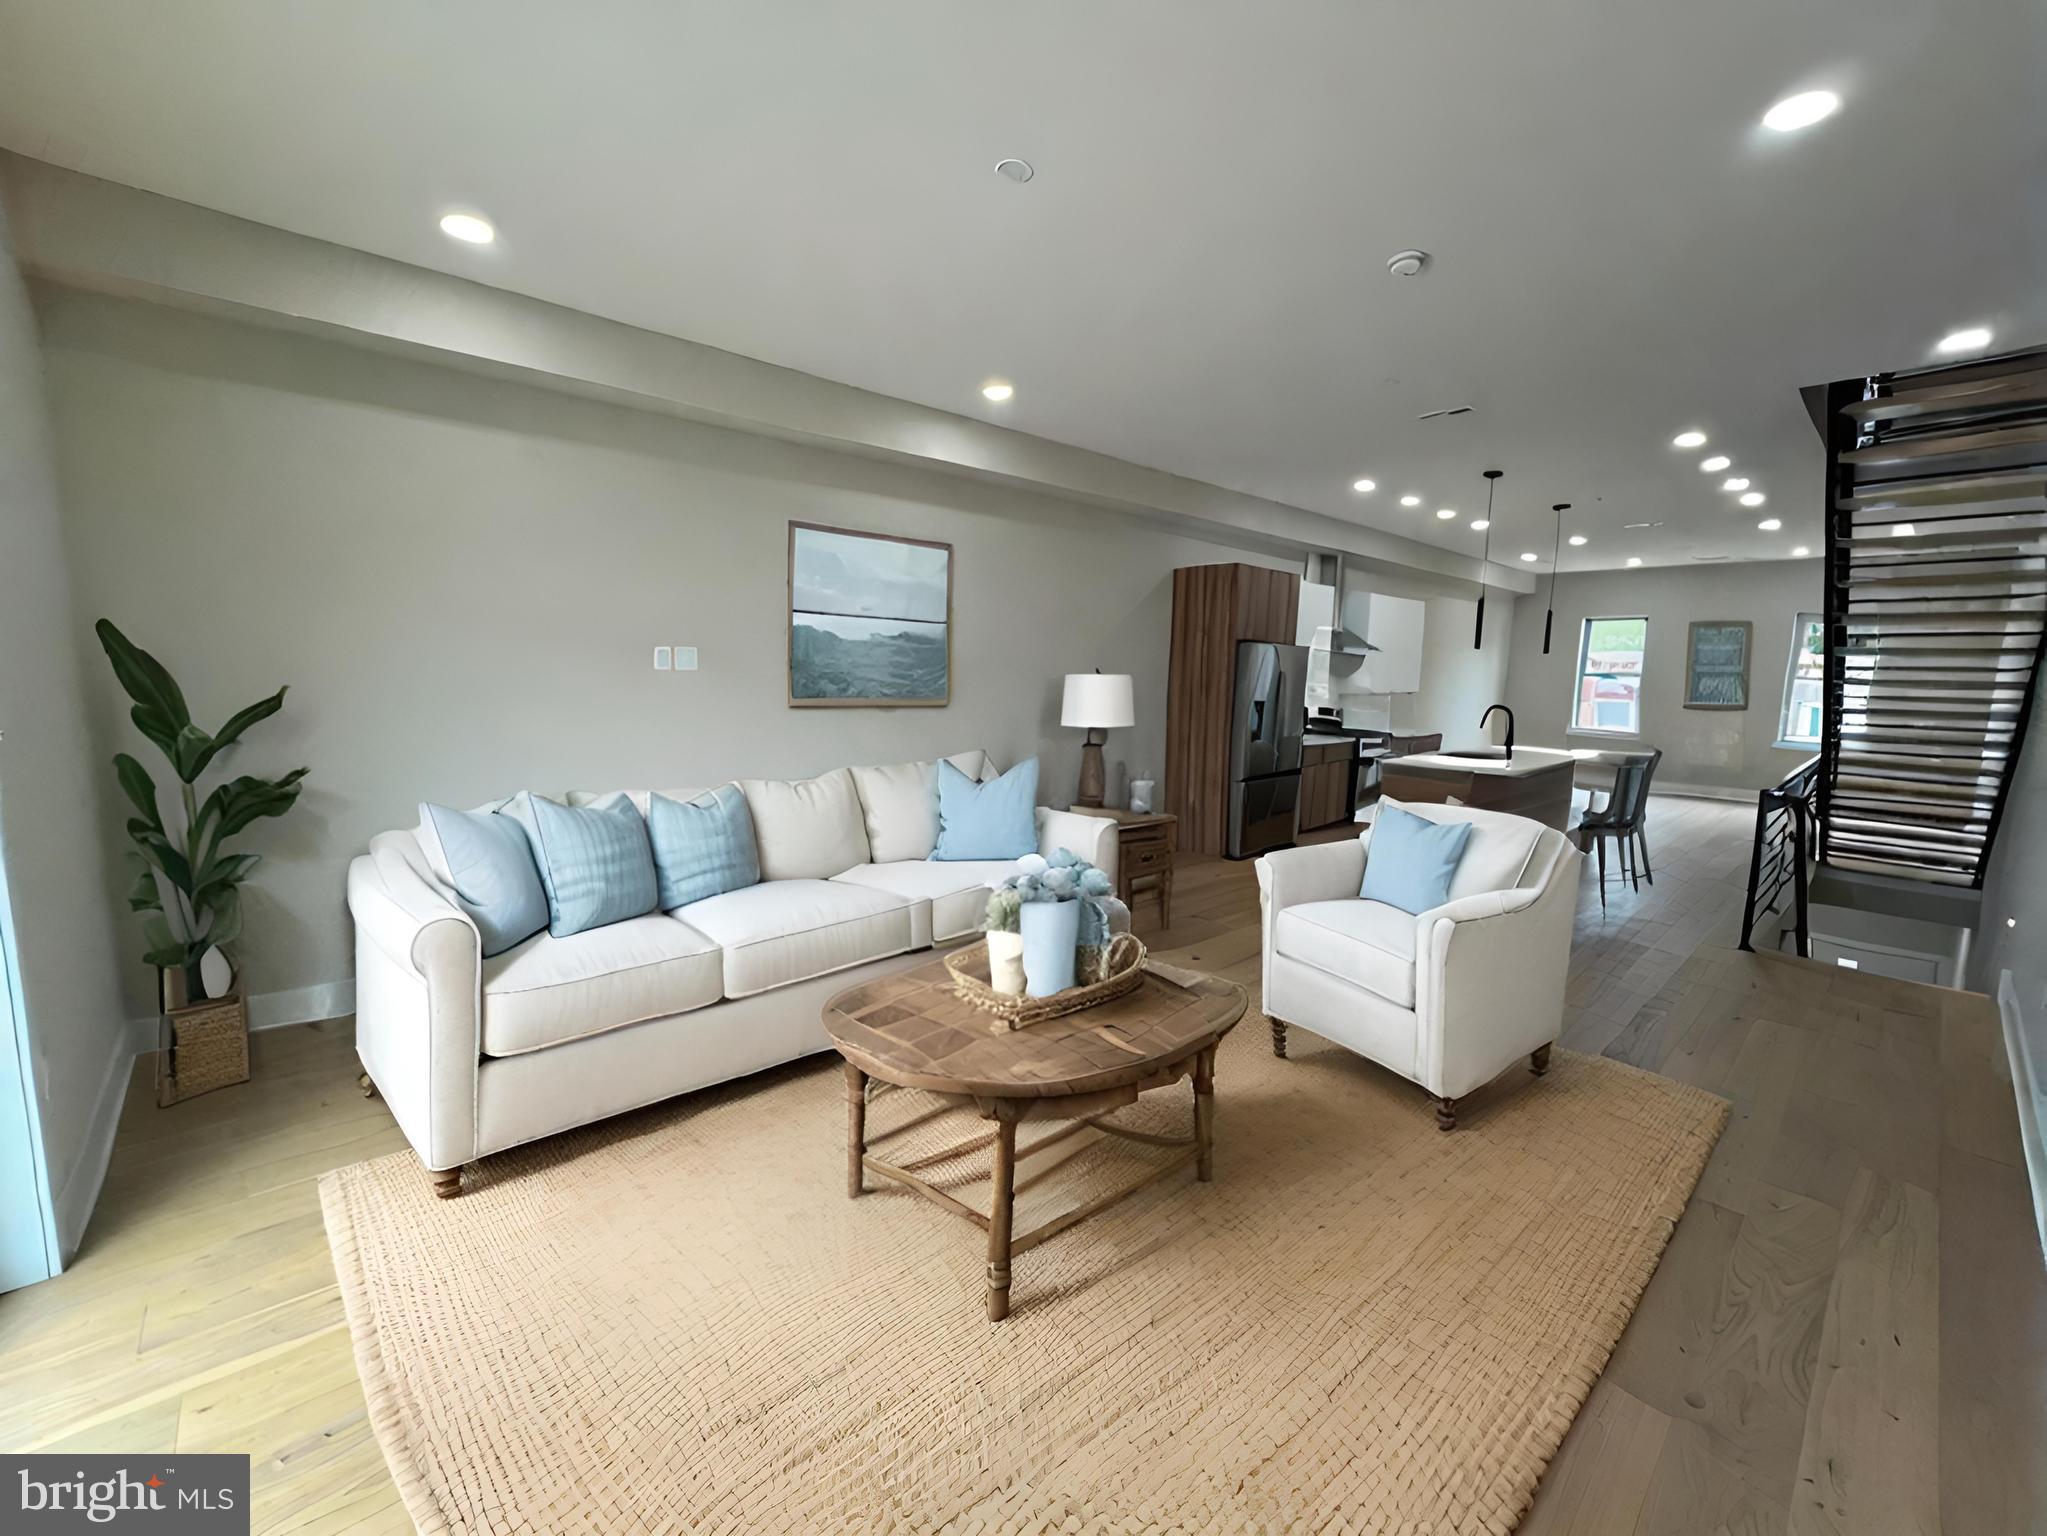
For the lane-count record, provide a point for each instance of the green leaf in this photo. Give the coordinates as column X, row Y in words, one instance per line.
column 157, row 726
column 144, row 679
column 157, row 848
column 226, row 926
column 167, row 955
column 222, row 874
column 143, row 895
column 237, row 723
column 190, row 751
column 241, row 801
column 139, row 787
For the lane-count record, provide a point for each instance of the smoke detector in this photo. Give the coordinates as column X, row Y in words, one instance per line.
column 1407, row 263
column 1015, row 169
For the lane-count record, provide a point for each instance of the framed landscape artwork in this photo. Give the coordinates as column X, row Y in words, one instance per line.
column 1716, row 664
column 870, row 619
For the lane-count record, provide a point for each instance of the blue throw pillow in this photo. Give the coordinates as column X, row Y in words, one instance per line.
column 595, row 861
column 493, row 874
column 996, row 820
column 702, row 847
column 1411, row 859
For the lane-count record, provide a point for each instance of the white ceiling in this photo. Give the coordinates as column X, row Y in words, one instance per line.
column 1195, row 279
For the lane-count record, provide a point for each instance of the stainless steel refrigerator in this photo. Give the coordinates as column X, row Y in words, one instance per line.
column 1268, row 714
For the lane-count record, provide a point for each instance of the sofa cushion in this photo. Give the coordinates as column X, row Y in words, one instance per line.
column 899, row 802
column 703, row 846
column 806, row 829
column 642, row 799
column 487, row 861
column 957, row 892
column 549, row 990
column 595, row 861
column 1365, row 943
column 1497, row 853
column 992, row 820
column 789, row 930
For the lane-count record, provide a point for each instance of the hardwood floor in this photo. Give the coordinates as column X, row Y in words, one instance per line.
column 1848, row 1332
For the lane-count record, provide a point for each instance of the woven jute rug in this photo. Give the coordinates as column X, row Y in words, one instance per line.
column 678, row 1321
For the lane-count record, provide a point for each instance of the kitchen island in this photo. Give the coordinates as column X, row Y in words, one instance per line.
column 1534, row 782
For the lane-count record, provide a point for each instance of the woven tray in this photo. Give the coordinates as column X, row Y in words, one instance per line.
column 969, row 968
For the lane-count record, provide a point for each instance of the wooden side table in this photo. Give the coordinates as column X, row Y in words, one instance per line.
column 1144, row 854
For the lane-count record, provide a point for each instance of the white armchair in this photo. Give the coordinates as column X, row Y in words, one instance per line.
column 1448, row 998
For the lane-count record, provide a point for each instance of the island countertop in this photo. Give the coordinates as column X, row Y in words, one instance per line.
column 1525, row 762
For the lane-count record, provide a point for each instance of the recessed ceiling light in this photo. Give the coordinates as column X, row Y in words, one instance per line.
column 1578, row 541
column 1902, row 530
column 1801, row 111
column 1714, row 465
column 468, row 227
column 1528, row 555
column 1642, row 525
column 1753, row 498
column 1974, row 339
column 998, row 389
column 1014, row 169
column 1800, row 552
column 1480, row 524
column 1410, row 501
column 1691, row 438
column 1634, row 560
column 1734, row 483
column 1364, row 486
column 1446, row 513
column 1771, row 524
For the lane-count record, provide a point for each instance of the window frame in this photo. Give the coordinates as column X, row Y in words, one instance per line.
column 1571, row 725
column 1785, row 739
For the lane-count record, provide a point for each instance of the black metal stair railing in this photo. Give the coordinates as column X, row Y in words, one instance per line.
column 1936, row 611
column 1787, row 822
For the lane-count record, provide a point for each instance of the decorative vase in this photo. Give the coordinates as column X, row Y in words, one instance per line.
column 1051, row 930
column 1140, row 796
column 1006, row 962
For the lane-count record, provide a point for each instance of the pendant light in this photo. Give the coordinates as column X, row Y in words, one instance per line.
column 1492, row 477
column 1556, row 554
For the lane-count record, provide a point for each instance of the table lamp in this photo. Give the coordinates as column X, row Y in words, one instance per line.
column 1096, row 702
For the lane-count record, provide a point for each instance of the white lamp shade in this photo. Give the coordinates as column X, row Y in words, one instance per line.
column 1098, row 701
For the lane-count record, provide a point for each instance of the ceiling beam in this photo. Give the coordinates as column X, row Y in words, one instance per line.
column 81, row 232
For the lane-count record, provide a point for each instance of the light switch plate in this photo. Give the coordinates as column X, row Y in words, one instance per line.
column 661, row 658
column 685, row 658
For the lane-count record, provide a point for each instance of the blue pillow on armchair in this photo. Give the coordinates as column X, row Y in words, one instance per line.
column 996, row 820
column 1412, row 860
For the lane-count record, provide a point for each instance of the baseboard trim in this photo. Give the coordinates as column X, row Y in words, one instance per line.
column 2027, row 1087
column 302, row 1005
column 274, row 1010
column 75, row 1195
column 1707, row 792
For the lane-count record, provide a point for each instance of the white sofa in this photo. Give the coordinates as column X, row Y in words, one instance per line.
column 476, row 1055
column 1447, row 998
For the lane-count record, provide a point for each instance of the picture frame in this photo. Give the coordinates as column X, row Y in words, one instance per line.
column 1717, row 663
column 869, row 619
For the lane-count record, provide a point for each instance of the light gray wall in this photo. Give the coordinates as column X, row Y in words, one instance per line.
column 2015, row 887
column 50, row 836
column 1724, row 749
column 463, row 579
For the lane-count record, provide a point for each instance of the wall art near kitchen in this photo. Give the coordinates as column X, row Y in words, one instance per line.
column 870, row 619
column 1716, row 665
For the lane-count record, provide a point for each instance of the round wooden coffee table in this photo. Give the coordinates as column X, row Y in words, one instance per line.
column 911, row 1030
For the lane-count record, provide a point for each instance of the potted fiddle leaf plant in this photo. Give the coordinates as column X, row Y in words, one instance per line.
column 187, row 884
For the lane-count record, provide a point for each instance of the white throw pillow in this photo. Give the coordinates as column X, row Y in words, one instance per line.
column 899, row 803
column 641, row 799
column 806, row 829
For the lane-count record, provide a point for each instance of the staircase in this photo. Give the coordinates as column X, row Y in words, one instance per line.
column 1936, row 611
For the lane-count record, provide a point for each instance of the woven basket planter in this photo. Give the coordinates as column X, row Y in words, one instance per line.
column 969, row 967
column 205, row 1046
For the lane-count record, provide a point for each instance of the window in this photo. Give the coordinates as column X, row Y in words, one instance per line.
column 1805, row 677
column 1608, row 699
